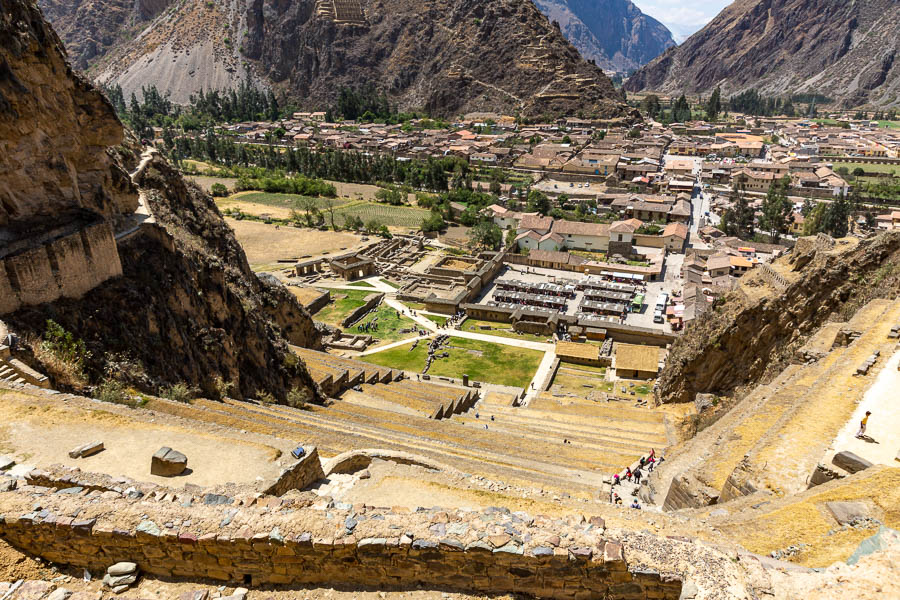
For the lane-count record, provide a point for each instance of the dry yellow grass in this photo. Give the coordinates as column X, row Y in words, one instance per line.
column 265, row 244
column 807, row 520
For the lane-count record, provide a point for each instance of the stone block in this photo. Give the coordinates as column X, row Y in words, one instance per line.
column 86, row 450
column 850, row 462
column 122, row 568
column 847, row 512
column 168, row 463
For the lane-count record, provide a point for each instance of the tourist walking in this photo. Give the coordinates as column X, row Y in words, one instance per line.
column 862, row 425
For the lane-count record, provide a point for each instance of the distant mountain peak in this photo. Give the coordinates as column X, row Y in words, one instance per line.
column 613, row 33
column 846, row 51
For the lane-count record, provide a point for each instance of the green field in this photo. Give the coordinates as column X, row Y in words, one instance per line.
column 392, row 216
column 500, row 330
column 361, row 284
column 895, row 169
column 346, row 301
column 889, row 124
column 481, row 361
column 437, row 319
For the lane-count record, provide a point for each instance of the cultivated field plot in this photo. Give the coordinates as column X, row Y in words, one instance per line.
column 405, row 217
column 481, row 361
column 265, row 244
column 869, row 168
column 305, row 295
column 206, row 182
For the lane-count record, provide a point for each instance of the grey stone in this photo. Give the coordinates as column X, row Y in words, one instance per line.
column 59, row 594
column 71, row 490
column 116, row 581
column 86, row 450
column 148, row 527
column 703, row 401
column 6, row 463
column 689, row 590
column 847, row 512
column 122, row 568
column 168, row 463
column 542, row 551
column 850, row 462
column 8, row 485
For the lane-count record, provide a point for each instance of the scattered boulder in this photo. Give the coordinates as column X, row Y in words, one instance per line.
column 704, row 401
column 850, row 462
column 6, row 463
column 86, row 450
column 120, row 576
column 59, row 594
column 168, row 463
column 846, row 513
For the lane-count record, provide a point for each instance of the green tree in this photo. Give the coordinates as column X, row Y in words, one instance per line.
column 486, row 234
column 714, row 105
column 650, row 105
column 776, row 210
column 538, row 202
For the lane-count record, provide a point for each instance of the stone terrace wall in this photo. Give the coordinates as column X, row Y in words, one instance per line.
column 293, row 542
column 67, row 267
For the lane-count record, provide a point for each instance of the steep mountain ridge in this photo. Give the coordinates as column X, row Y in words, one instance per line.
column 844, row 50
column 445, row 56
column 613, row 33
column 172, row 300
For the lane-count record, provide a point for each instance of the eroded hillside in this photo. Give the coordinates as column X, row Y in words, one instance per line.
column 444, row 56
column 755, row 330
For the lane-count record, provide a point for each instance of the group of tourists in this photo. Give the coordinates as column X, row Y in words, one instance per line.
column 647, row 463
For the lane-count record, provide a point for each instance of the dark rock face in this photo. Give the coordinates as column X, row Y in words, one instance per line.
column 187, row 307
column 447, row 56
column 90, row 28
column 850, row 462
column 741, row 342
column 613, row 33
column 844, row 50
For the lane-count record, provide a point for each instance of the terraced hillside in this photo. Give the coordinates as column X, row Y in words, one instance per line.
column 443, row 56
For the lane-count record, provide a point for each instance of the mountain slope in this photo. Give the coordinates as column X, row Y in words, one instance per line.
column 446, row 56
column 613, row 33
column 157, row 303
column 844, row 50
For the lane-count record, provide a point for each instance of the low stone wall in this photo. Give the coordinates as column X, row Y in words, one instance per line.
column 67, row 267
column 371, row 301
column 298, row 476
column 319, row 303
column 287, row 543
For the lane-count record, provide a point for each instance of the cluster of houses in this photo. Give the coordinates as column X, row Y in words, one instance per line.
column 536, row 232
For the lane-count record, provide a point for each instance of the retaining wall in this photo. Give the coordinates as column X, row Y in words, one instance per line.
column 277, row 542
column 67, row 267
column 371, row 301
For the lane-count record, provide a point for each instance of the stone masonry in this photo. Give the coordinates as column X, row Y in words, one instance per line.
column 303, row 540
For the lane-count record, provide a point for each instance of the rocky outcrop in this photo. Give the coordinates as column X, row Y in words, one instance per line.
column 613, row 33
column 444, row 56
column 844, row 50
column 742, row 340
column 173, row 302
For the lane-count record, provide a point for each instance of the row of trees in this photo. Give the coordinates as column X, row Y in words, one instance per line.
column 204, row 109
column 776, row 214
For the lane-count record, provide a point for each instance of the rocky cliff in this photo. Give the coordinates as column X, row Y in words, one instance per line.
column 174, row 300
column 844, row 50
column 444, row 56
column 613, row 33
column 754, row 331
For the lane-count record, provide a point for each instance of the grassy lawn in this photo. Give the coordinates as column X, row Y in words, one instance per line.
column 343, row 303
column 385, row 214
column 346, row 301
column 580, row 380
column 361, row 284
column 415, row 305
column 889, row 124
column 481, row 361
column 895, row 169
column 437, row 319
column 391, row 283
column 500, row 330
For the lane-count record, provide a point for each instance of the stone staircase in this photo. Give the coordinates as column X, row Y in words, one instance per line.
column 14, row 371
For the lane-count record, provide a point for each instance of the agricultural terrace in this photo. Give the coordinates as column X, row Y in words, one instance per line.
column 481, row 361
column 581, row 380
column 346, row 301
column 404, row 217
